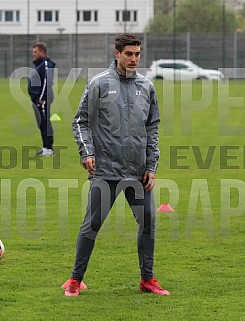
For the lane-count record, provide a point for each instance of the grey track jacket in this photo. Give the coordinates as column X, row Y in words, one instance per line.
column 117, row 123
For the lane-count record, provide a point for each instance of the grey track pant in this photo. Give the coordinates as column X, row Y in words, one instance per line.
column 102, row 195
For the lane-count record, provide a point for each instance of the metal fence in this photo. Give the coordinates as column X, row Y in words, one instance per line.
column 209, row 50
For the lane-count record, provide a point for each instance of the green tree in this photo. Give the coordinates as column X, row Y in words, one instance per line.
column 241, row 19
column 162, row 21
column 163, row 6
column 160, row 24
column 204, row 16
column 192, row 16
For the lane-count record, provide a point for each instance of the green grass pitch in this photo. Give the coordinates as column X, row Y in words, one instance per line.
column 199, row 254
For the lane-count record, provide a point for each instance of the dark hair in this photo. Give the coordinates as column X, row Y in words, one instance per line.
column 126, row 39
column 41, row 46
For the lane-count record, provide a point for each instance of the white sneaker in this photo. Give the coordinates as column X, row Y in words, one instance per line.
column 46, row 152
column 39, row 152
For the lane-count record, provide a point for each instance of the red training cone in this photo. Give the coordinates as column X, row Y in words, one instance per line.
column 165, row 208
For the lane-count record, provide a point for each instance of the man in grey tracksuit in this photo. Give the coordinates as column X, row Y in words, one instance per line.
column 116, row 129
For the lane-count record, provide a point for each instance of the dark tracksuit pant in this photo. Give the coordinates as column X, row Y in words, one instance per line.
column 102, row 195
column 42, row 113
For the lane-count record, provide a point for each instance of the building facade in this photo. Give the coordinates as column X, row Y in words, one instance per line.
column 235, row 4
column 74, row 16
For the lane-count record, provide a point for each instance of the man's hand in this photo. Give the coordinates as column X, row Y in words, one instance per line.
column 41, row 102
column 89, row 164
column 149, row 180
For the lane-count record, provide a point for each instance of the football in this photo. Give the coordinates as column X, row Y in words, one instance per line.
column 1, row 250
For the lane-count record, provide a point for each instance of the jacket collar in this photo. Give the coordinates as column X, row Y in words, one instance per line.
column 37, row 62
column 116, row 72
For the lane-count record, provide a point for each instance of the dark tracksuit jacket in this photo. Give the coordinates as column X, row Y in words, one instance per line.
column 40, row 88
column 41, row 81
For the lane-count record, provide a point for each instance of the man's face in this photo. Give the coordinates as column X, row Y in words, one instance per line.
column 128, row 59
column 37, row 53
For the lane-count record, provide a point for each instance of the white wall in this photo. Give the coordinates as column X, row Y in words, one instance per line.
column 67, row 16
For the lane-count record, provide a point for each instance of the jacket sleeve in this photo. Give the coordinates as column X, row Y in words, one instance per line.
column 35, row 85
column 82, row 123
column 47, row 77
column 152, row 151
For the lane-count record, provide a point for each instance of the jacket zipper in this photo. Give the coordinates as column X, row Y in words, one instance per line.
column 129, row 127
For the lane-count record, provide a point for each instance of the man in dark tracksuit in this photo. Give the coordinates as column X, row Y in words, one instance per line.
column 41, row 93
column 116, row 129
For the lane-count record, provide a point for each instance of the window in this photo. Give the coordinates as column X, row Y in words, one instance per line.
column 17, row 16
column 126, row 15
column 87, row 16
column 135, row 15
column 78, row 15
column 48, row 16
column 9, row 15
column 181, row 66
column 173, row 66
